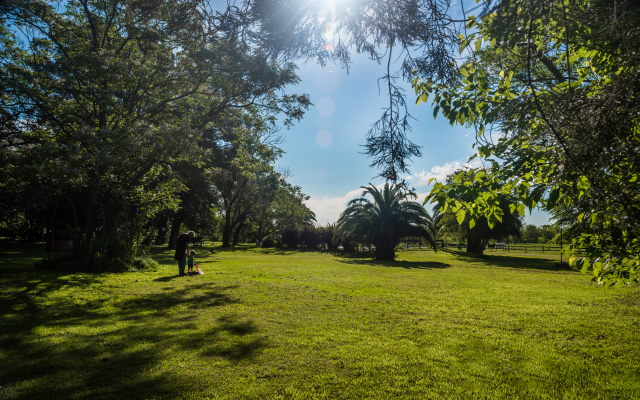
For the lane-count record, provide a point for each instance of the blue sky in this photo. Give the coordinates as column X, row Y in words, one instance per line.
column 324, row 150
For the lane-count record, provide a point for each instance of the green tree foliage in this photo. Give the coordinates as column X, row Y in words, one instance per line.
column 289, row 208
column 385, row 220
column 244, row 178
column 477, row 232
column 551, row 88
column 120, row 100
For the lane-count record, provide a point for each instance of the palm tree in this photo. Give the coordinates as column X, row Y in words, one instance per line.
column 385, row 220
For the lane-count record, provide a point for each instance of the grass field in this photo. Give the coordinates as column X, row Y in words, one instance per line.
column 268, row 323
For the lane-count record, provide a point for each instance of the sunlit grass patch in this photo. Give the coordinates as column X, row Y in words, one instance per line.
column 278, row 323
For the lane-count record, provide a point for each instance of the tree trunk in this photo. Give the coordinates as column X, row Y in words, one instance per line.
column 92, row 218
column 384, row 251
column 110, row 223
column 236, row 233
column 474, row 245
column 226, row 232
column 162, row 227
column 260, row 230
column 175, row 231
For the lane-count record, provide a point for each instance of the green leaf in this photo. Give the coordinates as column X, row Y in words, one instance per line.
column 585, row 266
column 472, row 223
column 460, row 216
column 521, row 209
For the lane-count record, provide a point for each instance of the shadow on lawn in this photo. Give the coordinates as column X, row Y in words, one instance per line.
column 94, row 343
column 528, row 263
column 500, row 261
column 400, row 264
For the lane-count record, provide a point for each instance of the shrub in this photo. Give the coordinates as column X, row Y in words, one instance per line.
column 327, row 238
column 310, row 236
column 268, row 242
column 97, row 255
column 290, row 237
column 144, row 264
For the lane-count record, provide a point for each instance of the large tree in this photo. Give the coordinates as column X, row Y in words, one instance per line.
column 385, row 220
column 552, row 89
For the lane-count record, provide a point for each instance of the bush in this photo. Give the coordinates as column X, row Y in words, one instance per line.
column 290, row 237
column 268, row 242
column 144, row 264
column 310, row 236
column 327, row 234
column 98, row 255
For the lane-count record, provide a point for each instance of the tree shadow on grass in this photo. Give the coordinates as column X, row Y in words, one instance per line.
column 93, row 343
column 502, row 261
column 400, row 264
column 351, row 254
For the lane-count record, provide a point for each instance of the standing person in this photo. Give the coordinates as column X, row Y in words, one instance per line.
column 182, row 246
column 190, row 261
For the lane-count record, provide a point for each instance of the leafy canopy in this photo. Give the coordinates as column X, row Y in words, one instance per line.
column 551, row 89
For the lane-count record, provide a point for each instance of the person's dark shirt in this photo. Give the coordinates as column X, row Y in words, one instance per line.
column 183, row 240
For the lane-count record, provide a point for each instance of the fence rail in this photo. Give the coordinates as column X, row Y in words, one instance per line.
column 534, row 248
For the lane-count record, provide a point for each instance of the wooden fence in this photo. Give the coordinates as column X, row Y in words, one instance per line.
column 520, row 248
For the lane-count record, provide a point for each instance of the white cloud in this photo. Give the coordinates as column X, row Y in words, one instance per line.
column 440, row 172
column 328, row 209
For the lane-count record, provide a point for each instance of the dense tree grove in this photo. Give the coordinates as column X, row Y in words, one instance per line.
column 122, row 117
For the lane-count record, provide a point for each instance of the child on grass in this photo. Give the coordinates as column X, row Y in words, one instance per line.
column 191, row 260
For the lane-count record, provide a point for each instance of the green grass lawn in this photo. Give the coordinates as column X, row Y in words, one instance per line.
column 268, row 323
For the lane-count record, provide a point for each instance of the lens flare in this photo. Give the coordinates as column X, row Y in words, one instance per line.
column 323, row 138
column 328, row 31
column 326, row 106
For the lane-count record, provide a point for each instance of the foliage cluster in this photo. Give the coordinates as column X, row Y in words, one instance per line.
column 121, row 116
column 551, row 88
column 98, row 255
